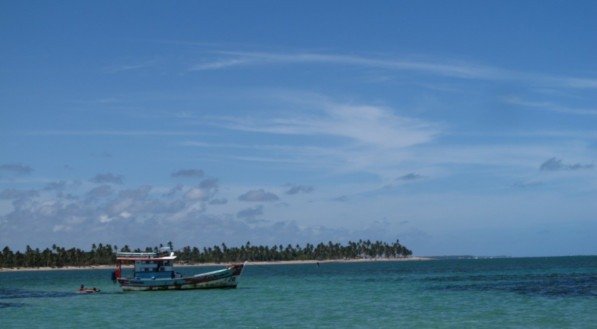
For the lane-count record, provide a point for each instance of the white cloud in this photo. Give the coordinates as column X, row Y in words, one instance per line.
column 359, row 137
column 362, row 124
column 103, row 218
column 125, row 214
column 61, row 228
column 195, row 194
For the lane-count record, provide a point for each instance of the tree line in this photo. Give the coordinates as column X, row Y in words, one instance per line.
column 106, row 254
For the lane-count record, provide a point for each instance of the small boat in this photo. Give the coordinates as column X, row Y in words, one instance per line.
column 84, row 290
column 155, row 271
column 88, row 291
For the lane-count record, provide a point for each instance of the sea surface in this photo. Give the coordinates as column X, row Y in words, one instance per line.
column 554, row 292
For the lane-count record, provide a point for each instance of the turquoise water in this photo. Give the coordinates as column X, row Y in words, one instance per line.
column 557, row 292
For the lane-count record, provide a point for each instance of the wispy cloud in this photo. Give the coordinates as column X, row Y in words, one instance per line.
column 551, row 107
column 233, row 59
column 454, row 69
column 363, row 124
column 129, row 67
column 580, row 83
column 556, row 134
column 219, row 64
column 358, row 137
column 377, row 140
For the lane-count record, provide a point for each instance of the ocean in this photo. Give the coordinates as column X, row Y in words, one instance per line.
column 551, row 292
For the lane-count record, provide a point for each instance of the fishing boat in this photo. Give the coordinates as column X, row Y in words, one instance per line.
column 155, row 271
column 84, row 290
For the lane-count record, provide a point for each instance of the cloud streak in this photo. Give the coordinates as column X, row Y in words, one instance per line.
column 236, row 59
column 359, row 137
column 455, row 69
column 129, row 67
column 550, row 107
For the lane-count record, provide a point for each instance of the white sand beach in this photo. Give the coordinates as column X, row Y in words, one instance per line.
column 248, row 263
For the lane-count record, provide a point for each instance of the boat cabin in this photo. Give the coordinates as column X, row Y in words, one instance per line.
column 147, row 265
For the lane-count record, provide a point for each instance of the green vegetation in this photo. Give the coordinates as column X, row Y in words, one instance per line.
column 106, row 254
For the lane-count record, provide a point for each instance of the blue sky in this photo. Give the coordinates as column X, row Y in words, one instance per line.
column 459, row 128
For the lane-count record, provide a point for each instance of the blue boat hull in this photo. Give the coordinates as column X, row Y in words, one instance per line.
column 224, row 278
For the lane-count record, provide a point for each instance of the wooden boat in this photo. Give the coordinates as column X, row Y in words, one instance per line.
column 155, row 271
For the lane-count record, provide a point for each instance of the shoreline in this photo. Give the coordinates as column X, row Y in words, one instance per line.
column 248, row 263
